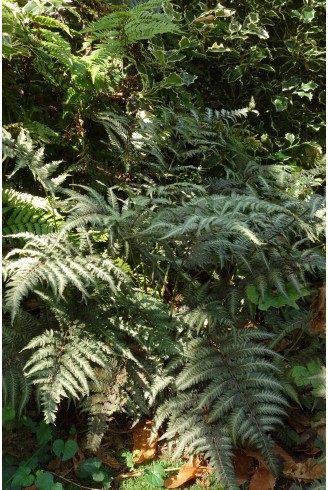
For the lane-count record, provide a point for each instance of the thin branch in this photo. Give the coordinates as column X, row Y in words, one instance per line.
column 71, row 481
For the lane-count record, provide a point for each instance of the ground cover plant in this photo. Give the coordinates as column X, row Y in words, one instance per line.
column 163, row 239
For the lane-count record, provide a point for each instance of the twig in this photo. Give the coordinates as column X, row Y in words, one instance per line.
column 71, row 481
column 122, row 476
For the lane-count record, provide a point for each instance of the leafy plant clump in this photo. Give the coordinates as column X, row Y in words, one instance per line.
column 163, row 239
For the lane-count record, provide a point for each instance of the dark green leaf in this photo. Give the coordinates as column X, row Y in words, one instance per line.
column 8, row 413
column 308, row 14
column 22, row 476
column 98, row 475
column 173, row 80
column 70, row 450
column 236, row 73
column 44, row 480
column 43, row 433
column 281, row 103
column 58, row 447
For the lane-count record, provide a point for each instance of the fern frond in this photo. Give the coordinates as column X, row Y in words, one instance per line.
column 45, row 260
column 24, row 212
column 62, row 364
column 234, row 389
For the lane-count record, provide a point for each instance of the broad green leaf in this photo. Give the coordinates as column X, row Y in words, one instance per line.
column 58, row 447
column 266, row 67
column 98, row 475
column 216, row 48
column 281, row 103
column 277, row 301
column 290, row 137
column 220, row 11
column 291, row 83
column 281, row 156
column 44, row 480
column 314, row 367
column 65, row 450
column 308, row 14
column 295, row 13
column 300, row 373
column 173, row 80
column 87, row 467
column 312, row 65
column 43, row 433
column 22, row 476
column 159, row 55
column 294, row 294
column 8, row 413
column 304, row 94
column 155, row 475
column 187, row 78
column 236, row 73
column 184, row 43
column 252, row 294
column 311, row 85
column 70, row 450
column 262, row 33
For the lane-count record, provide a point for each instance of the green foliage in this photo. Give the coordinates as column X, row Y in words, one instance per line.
column 164, row 215
column 65, row 450
column 227, row 395
column 92, row 467
column 129, row 457
column 155, row 475
column 61, row 365
column 27, row 213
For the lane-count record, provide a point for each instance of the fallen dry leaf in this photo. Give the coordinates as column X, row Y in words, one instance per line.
column 256, row 455
column 78, row 458
column 298, row 420
column 108, row 460
column 307, row 440
column 314, row 451
column 244, row 466
column 32, row 487
column 54, row 464
column 288, row 461
column 262, row 479
column 203, row 483
column 141, row 442
column 306, row 471
column 208, row 18
column 186, row 473
column 321, row 428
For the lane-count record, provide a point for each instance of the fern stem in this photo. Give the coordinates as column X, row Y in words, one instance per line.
column 296, row 341
column 282, row 335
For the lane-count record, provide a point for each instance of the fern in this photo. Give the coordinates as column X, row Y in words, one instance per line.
column 25, row 154
column 46, row 261
column 62, row 364
column 227, row 395
column 116, row 31
column 26, row 213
